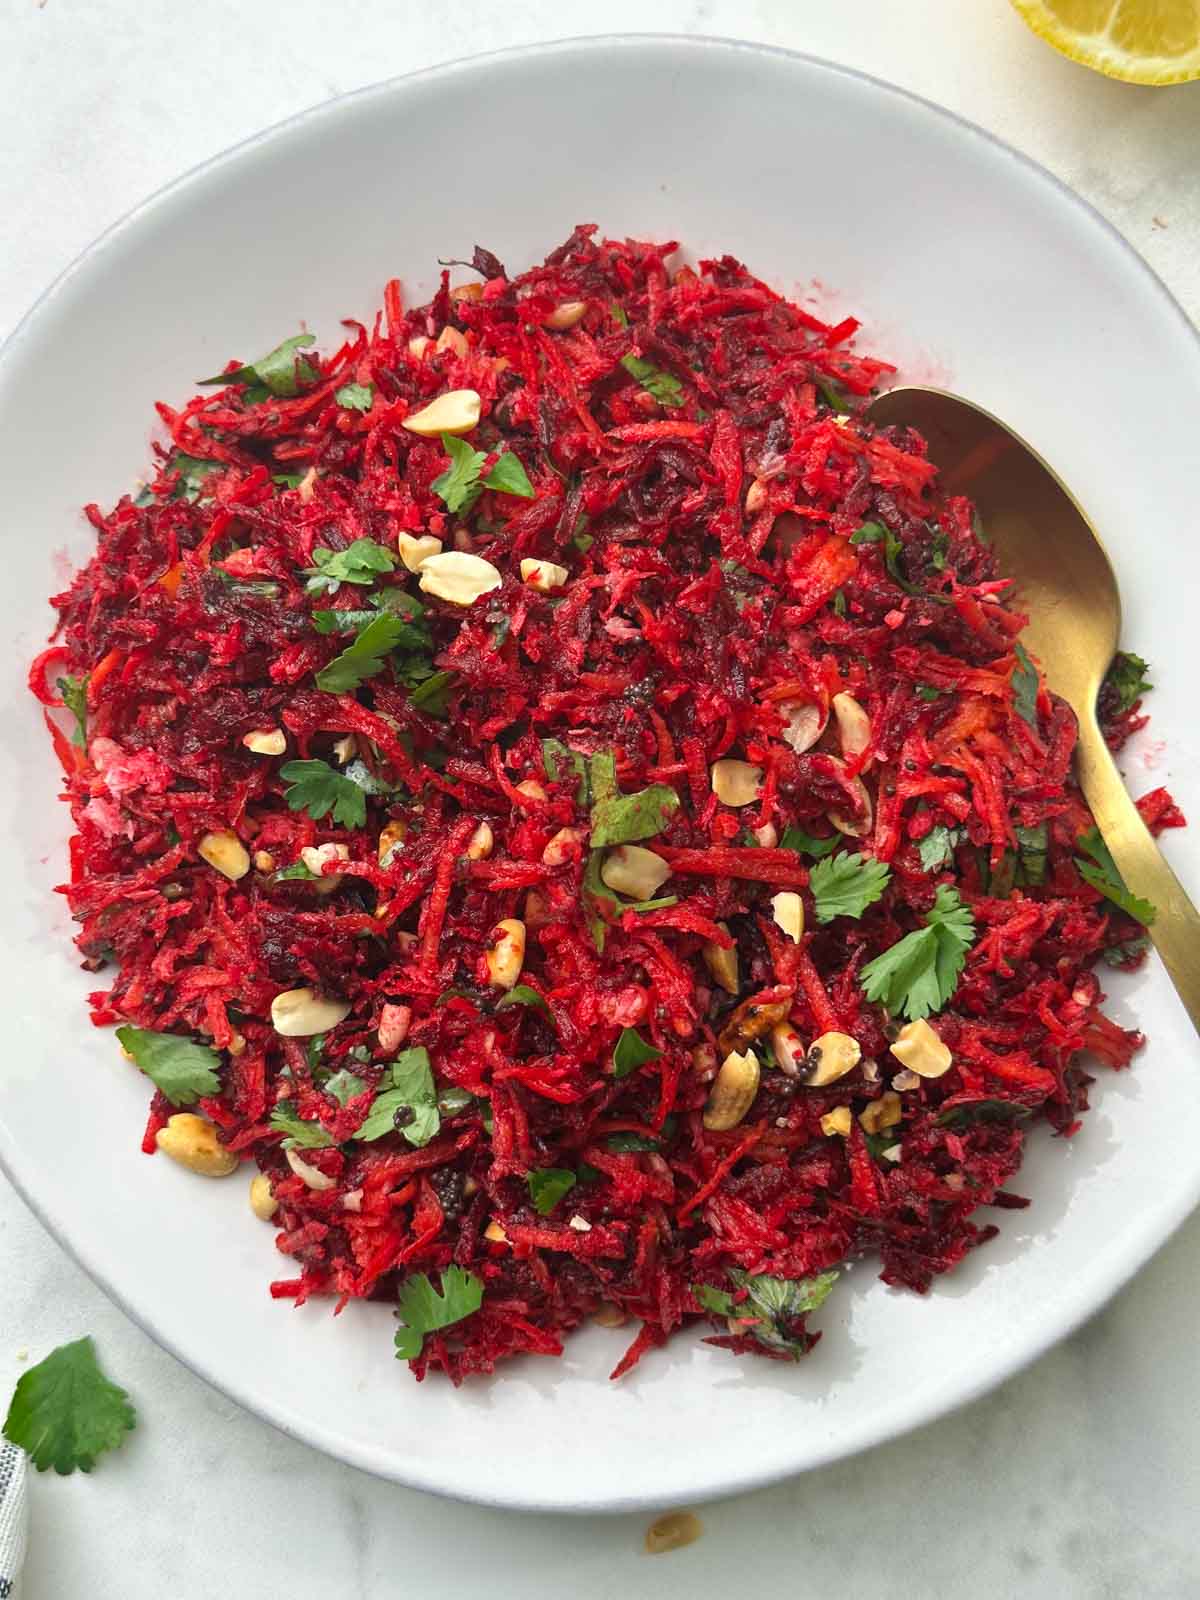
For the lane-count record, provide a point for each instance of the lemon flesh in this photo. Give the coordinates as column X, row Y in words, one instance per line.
column 1140, row 41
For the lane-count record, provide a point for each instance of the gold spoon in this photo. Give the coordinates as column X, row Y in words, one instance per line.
column 1066, row 584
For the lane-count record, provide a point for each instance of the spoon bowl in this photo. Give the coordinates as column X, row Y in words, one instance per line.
column 1065, row 583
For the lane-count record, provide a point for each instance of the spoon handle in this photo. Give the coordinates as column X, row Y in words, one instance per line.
column 1175, row 931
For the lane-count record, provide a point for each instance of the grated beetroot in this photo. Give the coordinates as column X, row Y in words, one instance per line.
column 697, row 465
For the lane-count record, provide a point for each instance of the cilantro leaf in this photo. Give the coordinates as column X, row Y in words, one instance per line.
column 554, row 752
column 1033, row 847
column 1025, row 685
column 301, row 1134
column 192, row 471
column 893, row 549
column 296, row 873
column 360, row 773
column 547, row 1186
column 73, row 693
column 182, row 1069
column 464, row 480
column 365, row 657
column 846, row 884
column 432, row 696
column 64, row 1412
column 770, row 1304
column 408, row 1087
column 279, row 372
column 831, row 393
column 355, row 396
column 508, row 476
column 597, row 898
column 1104, row 875
column 522, row 995
column 315, row 787
column 459, row 485
column 1127, row 679
column 622, row 819
column 937, row 848
column 920, row 972
column 423, row 1309
column 665, row 388
column 360, row 562
column 632, row 1051
column 344, row 1086
column 808, row 844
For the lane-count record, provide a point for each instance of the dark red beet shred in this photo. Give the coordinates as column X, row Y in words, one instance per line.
column 739, row 545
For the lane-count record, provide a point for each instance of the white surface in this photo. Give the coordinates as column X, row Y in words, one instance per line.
column 121, row 126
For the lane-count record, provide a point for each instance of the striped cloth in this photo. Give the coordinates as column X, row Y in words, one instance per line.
column 14, row 1517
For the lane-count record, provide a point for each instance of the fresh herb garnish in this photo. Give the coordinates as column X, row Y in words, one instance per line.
column 65, row 1413
column 623, row 819
column 555, row 755
column 360, row 562
column 1127, row 953
column 296, row 873
column 407, row 1086
column 180, row 1068
column 598, row 899
column 301, row 1134
column 192, row 472
column 846, row 884
column 937, row 848
column 279, row 372
column 770, row 1304
column 464, row 480
column 522, row 995
column 1104, row 875
column 832, row 394
column 315, row 787
column 807, row 844
column 73, row 693
column 920, row 972
column 630, row 1052
column 1127, row 679
column 893, row 549
column 424, row 1309
column 664, row 387
column 344, row 1086
column 1033, row 847
column 365, row 657
column 547, row 1185
column 433, row 695
column 355, row 396
column 926, row 691
column 1025, row 685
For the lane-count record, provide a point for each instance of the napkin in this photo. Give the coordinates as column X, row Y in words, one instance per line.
column 14, row 1517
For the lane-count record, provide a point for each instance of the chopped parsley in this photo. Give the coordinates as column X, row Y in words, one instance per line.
column 423, row 1309
column 664, row 387
column 846, row 884
column 632, row 1051
column 315, row 787
column 1104, row 875
column 364, row 658
column 301, row 1133
column 179, row 1068
column 918, row 974
column 361, row 562
column 464, row 480
column 937, row 848
column 355, row 396
column 547, row 1186
column 770, row 1304
column 1025, row 685
column 73, row 692
column 1127, row 680
column 808, row 844
column 280, row 372
column 623, row 819
column 407, row 1088
column 65, row 1413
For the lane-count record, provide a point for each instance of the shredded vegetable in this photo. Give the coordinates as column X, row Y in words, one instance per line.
column 472, row 817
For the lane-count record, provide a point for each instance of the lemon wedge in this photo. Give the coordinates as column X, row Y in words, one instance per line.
column 1140, row 41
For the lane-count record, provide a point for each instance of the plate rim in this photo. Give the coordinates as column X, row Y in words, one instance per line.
column 1130, row 1258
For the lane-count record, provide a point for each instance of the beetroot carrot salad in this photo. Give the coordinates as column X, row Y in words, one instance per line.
column 562, row 806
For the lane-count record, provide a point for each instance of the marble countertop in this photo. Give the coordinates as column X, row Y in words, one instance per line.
column 1080, row 1479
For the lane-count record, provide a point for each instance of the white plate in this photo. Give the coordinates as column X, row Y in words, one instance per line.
column 969, row 265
